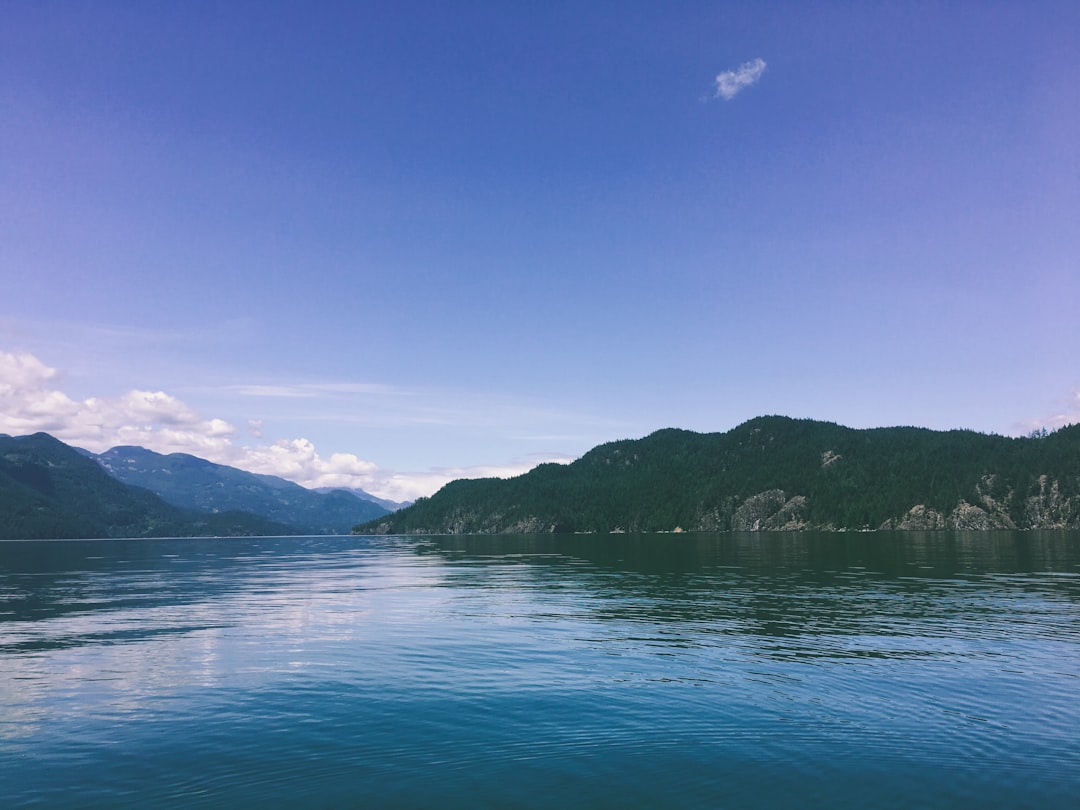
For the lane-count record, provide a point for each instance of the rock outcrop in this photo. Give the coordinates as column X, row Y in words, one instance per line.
column 918, row 518
column 771, row 510
column 1049, row 509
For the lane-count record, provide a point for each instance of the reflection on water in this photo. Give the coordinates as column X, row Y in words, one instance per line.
column 678, row 670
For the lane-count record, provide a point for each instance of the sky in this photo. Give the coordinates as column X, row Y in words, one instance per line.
column 386, row 245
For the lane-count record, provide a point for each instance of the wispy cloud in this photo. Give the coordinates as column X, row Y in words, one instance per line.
column 271, row 391
column 308, row 390
column 110, row 336
column 732, row 82
column 31, row 400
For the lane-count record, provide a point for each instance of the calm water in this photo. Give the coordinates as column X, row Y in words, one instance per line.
column 885, row 670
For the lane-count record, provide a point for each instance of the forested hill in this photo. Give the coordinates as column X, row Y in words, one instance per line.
column 774, row 473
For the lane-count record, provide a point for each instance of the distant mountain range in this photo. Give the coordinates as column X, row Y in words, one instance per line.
column 385, row 503
column 51, row 490
column 195, row 483
column 774, row 473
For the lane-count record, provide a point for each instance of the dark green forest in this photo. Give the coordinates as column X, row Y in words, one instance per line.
column 774, row 473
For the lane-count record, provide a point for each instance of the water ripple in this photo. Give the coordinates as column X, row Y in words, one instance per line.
column 702, row 670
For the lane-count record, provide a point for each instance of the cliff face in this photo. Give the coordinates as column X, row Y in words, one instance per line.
column 1045, row 508
column 770, row 511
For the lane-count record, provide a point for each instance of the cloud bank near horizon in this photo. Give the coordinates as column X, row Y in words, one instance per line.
column 732, row 82
column 31, row 400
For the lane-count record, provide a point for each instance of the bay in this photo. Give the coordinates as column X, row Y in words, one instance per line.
column 708, row 670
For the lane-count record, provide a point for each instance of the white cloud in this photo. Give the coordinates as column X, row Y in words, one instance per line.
column 1067, row 413
column 30, row 402
column 732, row 82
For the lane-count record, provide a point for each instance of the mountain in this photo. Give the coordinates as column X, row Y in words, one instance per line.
column 773, row 473
column 390, row 506
column 51, row 490
column 194, row 483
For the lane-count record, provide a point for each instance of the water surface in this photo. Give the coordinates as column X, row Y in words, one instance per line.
column 798, row 670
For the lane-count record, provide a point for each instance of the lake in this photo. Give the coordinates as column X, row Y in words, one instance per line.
column 720, row 670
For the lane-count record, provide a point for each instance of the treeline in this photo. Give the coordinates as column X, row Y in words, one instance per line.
column 840, row 478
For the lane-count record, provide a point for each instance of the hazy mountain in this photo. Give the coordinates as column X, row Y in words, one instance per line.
column 389, row 505
column 195, row 483
column 51, row 490
column 774, row 473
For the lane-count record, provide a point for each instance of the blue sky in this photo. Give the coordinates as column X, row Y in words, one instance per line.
column 390, row 244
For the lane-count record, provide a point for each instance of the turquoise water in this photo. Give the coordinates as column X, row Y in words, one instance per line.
column 805, row 670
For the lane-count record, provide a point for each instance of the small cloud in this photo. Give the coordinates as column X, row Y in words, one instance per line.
column 732, row 82
column 1066, row 413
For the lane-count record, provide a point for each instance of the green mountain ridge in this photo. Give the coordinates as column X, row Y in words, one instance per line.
column 49, row 490
column 773, row 473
